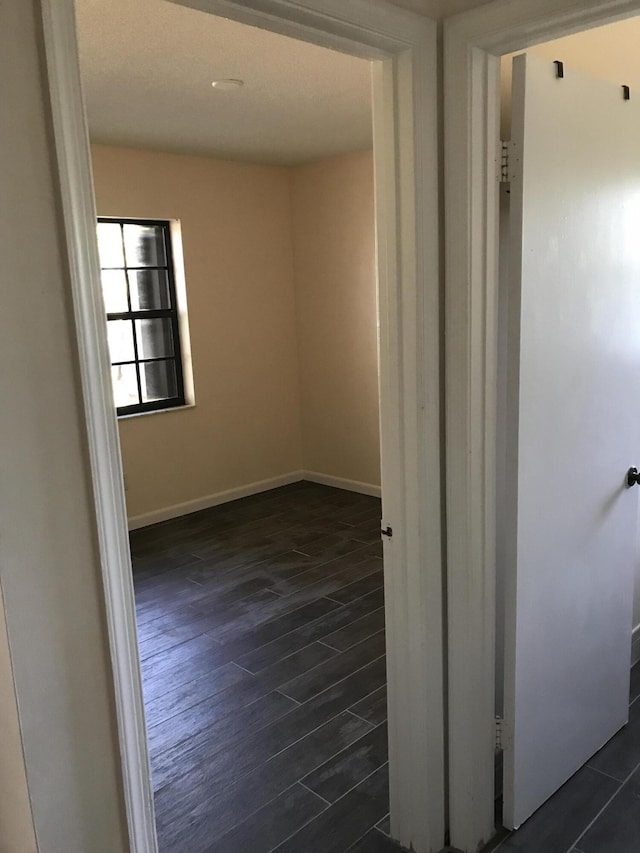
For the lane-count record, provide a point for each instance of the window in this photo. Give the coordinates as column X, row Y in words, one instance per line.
column 142, row 315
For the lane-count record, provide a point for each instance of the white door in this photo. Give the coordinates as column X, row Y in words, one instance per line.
column 574, row 410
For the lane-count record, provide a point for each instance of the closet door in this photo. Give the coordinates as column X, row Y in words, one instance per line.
column 574, row 425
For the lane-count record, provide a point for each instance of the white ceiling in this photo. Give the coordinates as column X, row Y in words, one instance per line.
column 609, row 53
column 147, row 67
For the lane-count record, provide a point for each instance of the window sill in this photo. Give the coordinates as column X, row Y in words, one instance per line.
column 156, row 412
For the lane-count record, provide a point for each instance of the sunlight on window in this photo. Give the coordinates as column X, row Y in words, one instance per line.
column 110, row 245
column 125, row 385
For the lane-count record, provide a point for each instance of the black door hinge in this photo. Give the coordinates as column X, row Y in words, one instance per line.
column 387, row 531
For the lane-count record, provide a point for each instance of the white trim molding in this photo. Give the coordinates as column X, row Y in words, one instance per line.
column 342, row 483
column 635, row 645
column 405, row 95
column 207, row 501
column 79, row 213
column 473, row 43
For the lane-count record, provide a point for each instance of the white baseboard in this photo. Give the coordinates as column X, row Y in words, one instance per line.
column 341, row 483
column 635, row 645
column 175, row 511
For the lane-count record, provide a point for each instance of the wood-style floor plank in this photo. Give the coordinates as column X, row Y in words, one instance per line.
column 338, row 827
column 348, row 768
column 261, row 633
column 228, row 805
column 318, row 629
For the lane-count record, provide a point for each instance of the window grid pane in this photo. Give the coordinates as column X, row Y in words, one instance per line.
column 153, row 319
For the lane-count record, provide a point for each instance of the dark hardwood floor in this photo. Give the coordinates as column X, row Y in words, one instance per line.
column 261, row 633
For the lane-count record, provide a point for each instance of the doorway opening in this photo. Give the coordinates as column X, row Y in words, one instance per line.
column 403, row 49
column 546, row 615
column 591, row 633
column 238, row 270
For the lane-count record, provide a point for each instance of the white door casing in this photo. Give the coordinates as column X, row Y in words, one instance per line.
column 473, row 43
column 574, row 425
column 404, row 48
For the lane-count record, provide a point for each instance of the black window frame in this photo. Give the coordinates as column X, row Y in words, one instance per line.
column 171, row 313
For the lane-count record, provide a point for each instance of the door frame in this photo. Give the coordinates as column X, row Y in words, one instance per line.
column 473, row 44
column 404, row 46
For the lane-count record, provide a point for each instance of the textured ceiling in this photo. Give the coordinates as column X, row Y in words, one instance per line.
column 147, row 67
column 608, row 53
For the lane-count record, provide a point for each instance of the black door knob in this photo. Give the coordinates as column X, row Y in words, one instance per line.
column 633, row 477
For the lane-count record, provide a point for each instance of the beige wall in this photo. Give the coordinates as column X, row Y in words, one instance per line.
column 277, row 391
column 51, row 578
column 236, row 234
column 16, row 820
column 334, row 250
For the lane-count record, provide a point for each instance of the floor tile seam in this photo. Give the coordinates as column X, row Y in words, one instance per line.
column 169, row 648
column 382, row 686
column 296, row 742
column 315, row 793
column 149, row 680
column 298, row 704
column 206, row 699
column 257, row 675
column 353, row 645
column 261, row 672
column 210, row 557
column 345, row 748
column 144, row 621
column 354, row 846
column 306, row 734
column 604, row 807
column 362, row 719
column 254, row 768
column 316, row 565
column 606, row 775
column 359, row 619
column 377, row 826
column 300, row 828
column 293, row 631
column 328, row 646
column 320, row 561
column 327, row 577
column 313, row 621
column 291, row 607
column 360, row 547
column 220, row 630
column 324, row 663
column 335, row 683
column 225, row 606
column 359, row 580
column 189, row 611
column 158, row 554
column 163, row 574
column 176, row 744
column 337, row 754
column 369, row 829
column 272, row 800
column 633, row 701
column 303, row 591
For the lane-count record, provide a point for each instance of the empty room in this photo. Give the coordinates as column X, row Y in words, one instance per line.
column 234, row 183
